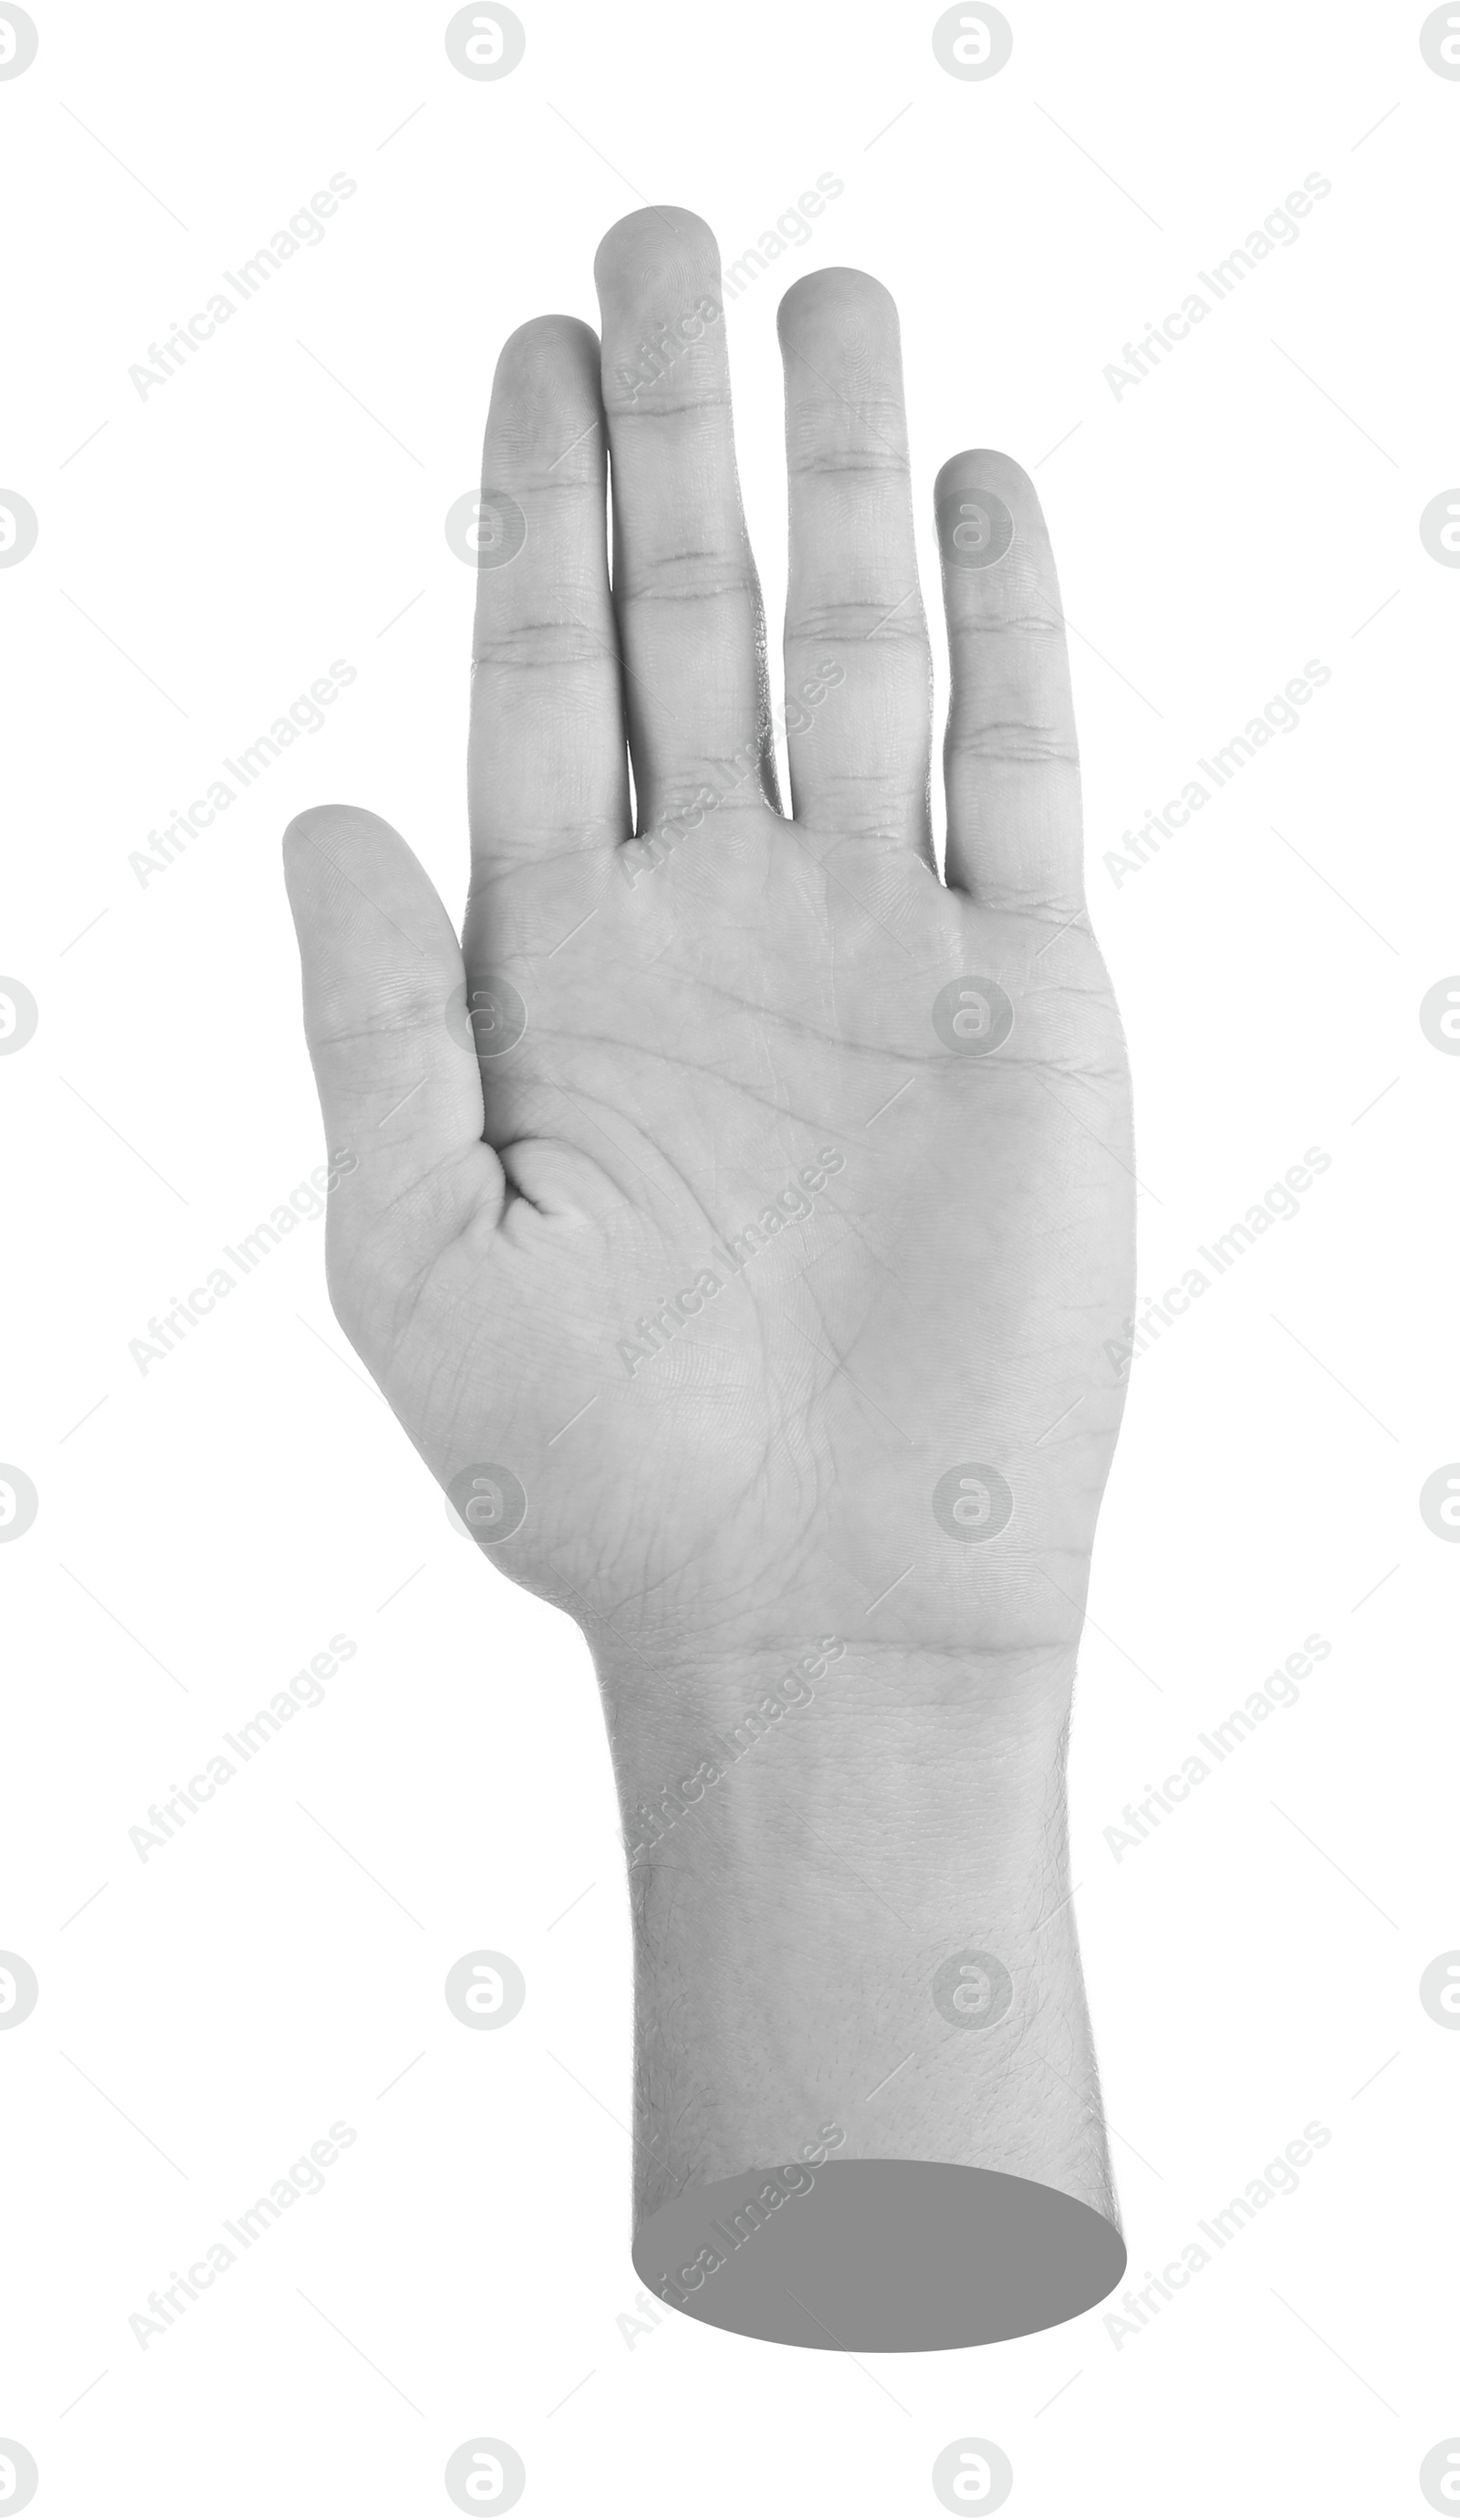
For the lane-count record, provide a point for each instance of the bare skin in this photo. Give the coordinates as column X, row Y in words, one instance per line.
column 678, row 1031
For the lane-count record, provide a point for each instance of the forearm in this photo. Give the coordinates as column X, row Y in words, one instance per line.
column 860, row 1920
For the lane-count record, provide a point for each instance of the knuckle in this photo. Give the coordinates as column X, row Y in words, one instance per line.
column 1013, row 740
column 836, row 463
column 650, row 402
column 536, row 646
column 1011, row 619
column 691, row 577
column 860, row 621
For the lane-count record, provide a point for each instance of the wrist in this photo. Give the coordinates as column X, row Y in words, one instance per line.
column 852, row 1927
column 879, row 1731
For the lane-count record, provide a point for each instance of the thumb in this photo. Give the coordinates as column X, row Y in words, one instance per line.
column 385, row 1016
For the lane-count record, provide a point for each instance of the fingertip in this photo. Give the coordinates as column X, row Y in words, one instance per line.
column 987, row 467
column 343, row 864
column 313, row 820
column 553, row 326
column 313, row 832
column 663, row 240
column 545, row 389
column 987, row 511
column 838, row 294
column 548, row 342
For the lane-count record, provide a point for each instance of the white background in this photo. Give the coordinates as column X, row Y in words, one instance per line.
column 204, row 1528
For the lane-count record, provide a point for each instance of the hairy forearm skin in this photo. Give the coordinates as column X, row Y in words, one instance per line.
column 793, row 1916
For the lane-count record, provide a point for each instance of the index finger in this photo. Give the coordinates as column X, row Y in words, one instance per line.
column 547, row 768
column 1010, row 758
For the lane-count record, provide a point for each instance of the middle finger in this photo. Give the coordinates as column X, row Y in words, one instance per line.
column 685, row 591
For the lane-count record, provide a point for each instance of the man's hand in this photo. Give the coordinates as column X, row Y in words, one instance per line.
column 737, row 1217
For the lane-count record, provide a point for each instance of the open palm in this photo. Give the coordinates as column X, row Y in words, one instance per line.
column 737, row 1218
